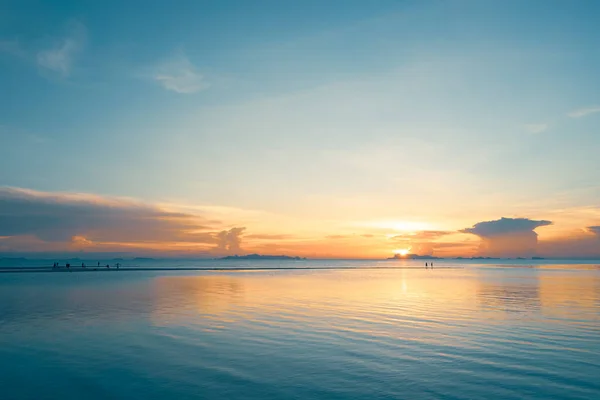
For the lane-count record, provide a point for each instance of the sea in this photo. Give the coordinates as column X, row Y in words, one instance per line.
column 301, row 329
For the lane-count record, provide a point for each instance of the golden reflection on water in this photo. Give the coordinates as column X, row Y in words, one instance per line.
column 396, row 295
column 567, row 296
column 403, row 295
column 217, row 294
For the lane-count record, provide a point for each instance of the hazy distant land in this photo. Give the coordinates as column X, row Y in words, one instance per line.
column 430, row 257
column 261, row 257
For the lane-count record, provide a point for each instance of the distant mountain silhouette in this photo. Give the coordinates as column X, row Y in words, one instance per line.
column 260, row 257
column 477, row 258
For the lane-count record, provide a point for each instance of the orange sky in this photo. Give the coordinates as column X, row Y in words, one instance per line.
column 36, row 221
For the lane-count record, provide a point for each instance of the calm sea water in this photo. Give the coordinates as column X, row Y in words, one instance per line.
column 485, row 331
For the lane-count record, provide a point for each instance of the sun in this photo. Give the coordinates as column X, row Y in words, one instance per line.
column 402, row 252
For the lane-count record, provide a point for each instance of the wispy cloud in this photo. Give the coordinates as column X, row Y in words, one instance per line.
column 269, row 236
column 180, row 75
column 582, row 112
column 59, row 57
column 422, row 235
column 536, row 128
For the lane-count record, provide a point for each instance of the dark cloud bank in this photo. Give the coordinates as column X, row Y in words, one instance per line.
column 516, row 237
column 84, row 220
column 505, row 226
column 508, row 237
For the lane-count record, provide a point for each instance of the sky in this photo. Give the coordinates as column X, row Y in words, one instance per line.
column 322, row 129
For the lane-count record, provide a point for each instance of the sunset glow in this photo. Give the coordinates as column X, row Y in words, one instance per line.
column 309, row 199
column 139, row 144
column 402, row 252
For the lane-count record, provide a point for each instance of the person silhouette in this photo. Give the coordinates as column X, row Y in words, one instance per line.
column 425, row 265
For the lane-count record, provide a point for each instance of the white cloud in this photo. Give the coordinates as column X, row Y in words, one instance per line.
column 180, row 75
column 582, row 112
column 59, row 57
column 536, row 128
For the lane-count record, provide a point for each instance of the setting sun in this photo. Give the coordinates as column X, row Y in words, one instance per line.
column 402, row 252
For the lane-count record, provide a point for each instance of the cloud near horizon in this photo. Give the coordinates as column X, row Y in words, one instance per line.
column 230, row 241
column 423, row 235
column 78, row 221
column 33, row 221
column 584, row 243
column 507, row 237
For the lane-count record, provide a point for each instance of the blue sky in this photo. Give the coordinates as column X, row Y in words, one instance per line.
column 341, row 111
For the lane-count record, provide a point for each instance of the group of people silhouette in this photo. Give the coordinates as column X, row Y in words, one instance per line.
column 68, row 266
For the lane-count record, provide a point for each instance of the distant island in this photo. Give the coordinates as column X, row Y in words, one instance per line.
column 413, row 257
column 498, row 258
column 430, row 257
column 260, row 257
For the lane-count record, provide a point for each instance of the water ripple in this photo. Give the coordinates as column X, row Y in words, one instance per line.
column 446, row 334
